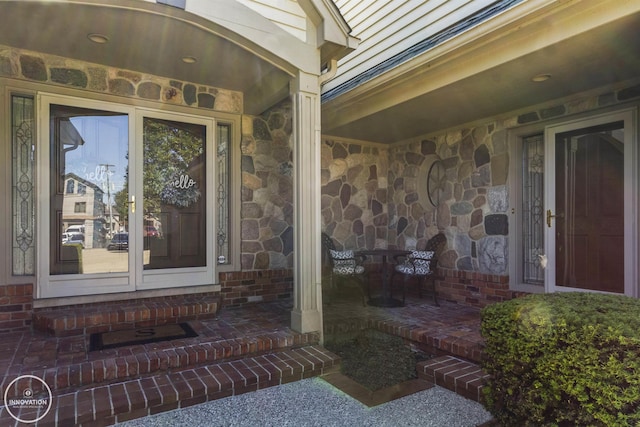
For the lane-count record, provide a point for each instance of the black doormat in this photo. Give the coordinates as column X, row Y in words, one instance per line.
column 146, row 335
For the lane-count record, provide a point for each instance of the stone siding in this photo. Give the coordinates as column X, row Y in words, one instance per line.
column 267, row 190
column 474, row 202
column 472, row 210
column 42, row 68
column 354, row 194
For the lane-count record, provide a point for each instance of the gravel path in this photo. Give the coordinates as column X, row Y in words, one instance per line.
column 313, row 402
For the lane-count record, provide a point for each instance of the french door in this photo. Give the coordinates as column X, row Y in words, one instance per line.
column 590, row 205
column 123, row 199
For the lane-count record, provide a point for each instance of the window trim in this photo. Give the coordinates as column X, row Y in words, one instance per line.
column 515, row 139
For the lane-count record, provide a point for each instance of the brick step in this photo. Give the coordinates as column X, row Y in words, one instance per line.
column 179, row 388
column 92, row 318
column 125, row 363
column 460, row 376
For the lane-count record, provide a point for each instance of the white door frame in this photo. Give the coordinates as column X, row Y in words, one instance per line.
column 49, row 286
column 631, row 188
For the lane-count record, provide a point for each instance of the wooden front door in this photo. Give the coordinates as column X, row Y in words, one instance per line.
column 588, row 237
column 590, row 209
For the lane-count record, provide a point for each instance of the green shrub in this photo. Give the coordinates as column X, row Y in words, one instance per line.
column 566, row 359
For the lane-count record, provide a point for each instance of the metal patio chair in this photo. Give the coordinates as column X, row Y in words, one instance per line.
column 345, row 268
column 422, row 265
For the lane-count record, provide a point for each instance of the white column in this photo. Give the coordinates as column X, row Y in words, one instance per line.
column 307, row 277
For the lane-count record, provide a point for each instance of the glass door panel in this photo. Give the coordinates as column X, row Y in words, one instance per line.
column 124, row 201
column 174, row 194
column 590, row 208
column 589, row 205
column 87, row 176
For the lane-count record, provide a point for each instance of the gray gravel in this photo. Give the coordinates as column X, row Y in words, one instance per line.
column 313, row 402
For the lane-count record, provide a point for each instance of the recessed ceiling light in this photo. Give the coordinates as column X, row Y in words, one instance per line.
column 540, row 77
column 189, row 59
column 98, row 38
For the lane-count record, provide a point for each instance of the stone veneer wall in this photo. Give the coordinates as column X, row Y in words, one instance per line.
column 473, row 209
column 267, row 190
column 474, row 201
column 354, row 194
column 267, row 187
column 55, row 70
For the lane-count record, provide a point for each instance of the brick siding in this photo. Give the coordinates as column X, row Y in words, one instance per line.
column 16, row 307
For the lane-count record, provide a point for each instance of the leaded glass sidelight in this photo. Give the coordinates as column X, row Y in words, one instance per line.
column 23, row 199
column 222, row 193
column 533, row 210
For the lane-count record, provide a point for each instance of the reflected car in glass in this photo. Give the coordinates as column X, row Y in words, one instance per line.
column 73, row 238
column 119, row 242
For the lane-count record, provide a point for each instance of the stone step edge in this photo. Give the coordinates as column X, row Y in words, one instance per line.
column 109, row 317
column 144, row 363
column 122, row 401
column 460, row 376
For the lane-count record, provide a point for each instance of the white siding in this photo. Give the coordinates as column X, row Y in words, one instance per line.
column 287, row 14
column 388, row 27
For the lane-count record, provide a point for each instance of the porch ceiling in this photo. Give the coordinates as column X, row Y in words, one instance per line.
column 143, row 37
column 491, row 78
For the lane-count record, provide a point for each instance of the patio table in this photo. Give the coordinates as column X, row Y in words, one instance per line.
column 384, row 300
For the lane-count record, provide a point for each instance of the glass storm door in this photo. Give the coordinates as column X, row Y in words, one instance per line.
column 587, row 214
column 174, row 236
column 124, row 199
column 83, row 171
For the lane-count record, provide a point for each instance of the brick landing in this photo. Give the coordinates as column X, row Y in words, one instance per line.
column 240, row 350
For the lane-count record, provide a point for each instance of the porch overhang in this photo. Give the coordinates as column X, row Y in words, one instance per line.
column 486, row 71
column 258, row 60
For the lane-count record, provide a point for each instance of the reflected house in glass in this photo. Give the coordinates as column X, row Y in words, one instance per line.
column 84, row 205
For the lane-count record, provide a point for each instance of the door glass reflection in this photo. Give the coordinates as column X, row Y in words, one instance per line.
column 88, row 187
column 174, row 193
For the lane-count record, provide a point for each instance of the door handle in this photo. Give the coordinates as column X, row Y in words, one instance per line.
column 549, row 216
column 133, row 204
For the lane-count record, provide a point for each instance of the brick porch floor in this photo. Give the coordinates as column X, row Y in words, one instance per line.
column 240, row 350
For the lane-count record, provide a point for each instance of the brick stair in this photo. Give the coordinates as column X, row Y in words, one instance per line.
column 107, row 404
column 103, row 317
column 460, row 376
column 132, row 362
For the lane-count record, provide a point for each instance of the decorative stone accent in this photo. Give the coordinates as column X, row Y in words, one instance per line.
column 496, row 224
column 149, row 90
column 61, row 71
column 121, row 87
column 354, row 193
column 69, row 77
column 493, row 255
column 267, row 191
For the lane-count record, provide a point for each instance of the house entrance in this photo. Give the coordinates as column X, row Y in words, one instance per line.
column 587, row 216
column 125, row 204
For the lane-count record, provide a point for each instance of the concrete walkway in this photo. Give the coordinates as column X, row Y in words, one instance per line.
column 314, row 402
